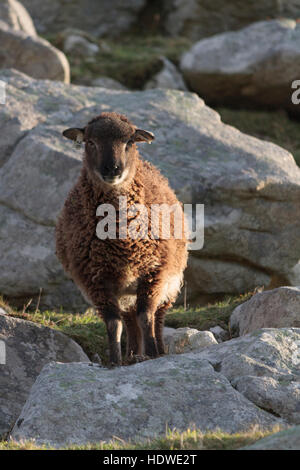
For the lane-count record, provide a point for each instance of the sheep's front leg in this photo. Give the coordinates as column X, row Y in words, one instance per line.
column 134, row 335
column 113, row 322
column 146, row 319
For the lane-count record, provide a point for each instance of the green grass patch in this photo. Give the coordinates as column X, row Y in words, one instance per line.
column 173, row 440
column 203, row 318
column 274, row 126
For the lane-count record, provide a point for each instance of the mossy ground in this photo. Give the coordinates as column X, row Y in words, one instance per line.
column 188, row 440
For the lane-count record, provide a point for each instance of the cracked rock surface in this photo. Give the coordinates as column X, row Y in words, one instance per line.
column 77, row 403
column 264, row 366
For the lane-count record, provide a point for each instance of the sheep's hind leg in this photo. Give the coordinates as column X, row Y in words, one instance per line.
column 148, row 296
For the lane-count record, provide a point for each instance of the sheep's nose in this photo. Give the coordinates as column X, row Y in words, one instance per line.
column 114, row 170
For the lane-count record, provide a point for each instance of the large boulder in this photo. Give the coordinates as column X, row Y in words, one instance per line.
column 77, row 403
column 28, row 347
column 255, row 65
column 32, row 55
column 276, row 308
column 16, row 17
column 198, row 19
column 247, row 186
column 264, row 366
column 101, row 17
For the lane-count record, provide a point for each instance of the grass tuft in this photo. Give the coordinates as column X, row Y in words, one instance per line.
column 203, row 318
column 191, row 439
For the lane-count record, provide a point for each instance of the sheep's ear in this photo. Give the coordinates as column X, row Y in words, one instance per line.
column 74, row 133
column 143, row 136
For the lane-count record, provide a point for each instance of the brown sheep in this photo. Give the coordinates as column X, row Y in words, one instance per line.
column 134, row 280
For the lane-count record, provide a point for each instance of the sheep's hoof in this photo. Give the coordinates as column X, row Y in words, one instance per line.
column 113, row 365
column 161, row 349
column 115, row 362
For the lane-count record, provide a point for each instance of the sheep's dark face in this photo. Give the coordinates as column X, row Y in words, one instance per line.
column 110, row 146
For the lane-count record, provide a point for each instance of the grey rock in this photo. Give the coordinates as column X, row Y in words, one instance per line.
column 230, row 276
column 168, row 331
column 288, row 439
column 197, row 19
column 167, row 77
column 16, row 17
column 219, row 333
column 265, row 367
column 247, row 186
column 275, row 308
column 255, row 65
column 100, row 18
column 96, row 359
column 32, row 55
column 107, row 82
column 80, row 46
column 75, row 403
column 183, row 340
column 279, row 396
column 29, row 347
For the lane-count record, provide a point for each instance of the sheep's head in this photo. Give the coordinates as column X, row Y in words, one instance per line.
column 110, row 151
